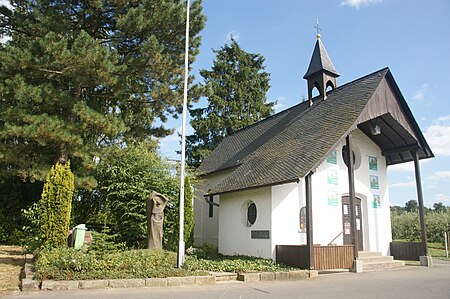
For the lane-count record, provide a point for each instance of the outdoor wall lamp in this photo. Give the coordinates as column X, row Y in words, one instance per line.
column 375, row 129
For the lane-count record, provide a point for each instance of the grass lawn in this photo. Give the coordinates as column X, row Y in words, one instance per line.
column 437, row 250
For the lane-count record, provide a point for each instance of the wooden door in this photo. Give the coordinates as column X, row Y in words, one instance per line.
column 347, row 227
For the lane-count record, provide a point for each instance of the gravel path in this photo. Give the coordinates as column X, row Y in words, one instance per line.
column 11, row 263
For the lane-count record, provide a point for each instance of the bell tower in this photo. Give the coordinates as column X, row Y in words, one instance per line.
column 321, row 73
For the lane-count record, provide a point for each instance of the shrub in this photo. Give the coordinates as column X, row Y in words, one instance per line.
column 172, row 223
column 126, row 177
column 104, row 242
column 234, row 264
column 55, row 205
column 31, row 233
column 203, row 252
column 406, row 226
column 71, row 264
column 437, row 224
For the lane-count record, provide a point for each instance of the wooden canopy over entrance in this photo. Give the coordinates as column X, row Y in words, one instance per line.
column 389, row 123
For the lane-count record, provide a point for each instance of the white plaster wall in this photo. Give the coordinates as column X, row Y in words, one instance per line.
column 206, row 229
column 327, row 218
column 287, row 200
column 234, row 234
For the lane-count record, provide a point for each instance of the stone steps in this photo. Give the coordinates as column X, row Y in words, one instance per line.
column 375, row 261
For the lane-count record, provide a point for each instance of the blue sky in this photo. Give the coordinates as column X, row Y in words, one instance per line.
column 410, row 37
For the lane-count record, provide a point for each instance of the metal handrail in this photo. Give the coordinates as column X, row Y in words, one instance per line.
column 335, row 238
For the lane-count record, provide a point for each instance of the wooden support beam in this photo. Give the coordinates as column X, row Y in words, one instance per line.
column 408, row 148
column 309, row 221
column 351, row 193
column 423, row 229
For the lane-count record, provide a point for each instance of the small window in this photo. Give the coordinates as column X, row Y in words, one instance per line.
column 211, row 206
column 251, row 213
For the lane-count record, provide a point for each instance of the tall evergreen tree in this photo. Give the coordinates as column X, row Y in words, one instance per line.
column 77, row 76
column 235, row 88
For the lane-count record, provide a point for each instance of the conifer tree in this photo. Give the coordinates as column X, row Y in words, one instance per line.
column 56, row 205
column 235, row 88
column 78, row 76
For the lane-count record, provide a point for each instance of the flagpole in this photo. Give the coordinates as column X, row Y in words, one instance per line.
column 181, row 246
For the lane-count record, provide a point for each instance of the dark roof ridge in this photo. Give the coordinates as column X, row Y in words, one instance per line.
column 307, row 102
column 360, row 79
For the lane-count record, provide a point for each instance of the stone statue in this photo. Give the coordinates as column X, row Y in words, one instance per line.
column 155, row 218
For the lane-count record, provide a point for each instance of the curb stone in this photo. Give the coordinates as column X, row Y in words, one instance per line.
column 248, row 277
column 267, row 276
column 126, row 283
column 180, row 281
column 281, row 275
column 156, row 282
column 55, row 285
column 94, row 284
column 29, row 284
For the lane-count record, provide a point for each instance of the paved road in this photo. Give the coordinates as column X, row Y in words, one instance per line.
column 409, row 282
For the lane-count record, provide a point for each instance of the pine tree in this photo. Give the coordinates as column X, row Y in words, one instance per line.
column 56, row 205
column 78, row 76
column 236, row 88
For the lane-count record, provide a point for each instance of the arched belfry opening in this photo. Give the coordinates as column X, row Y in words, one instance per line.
column 321, row 73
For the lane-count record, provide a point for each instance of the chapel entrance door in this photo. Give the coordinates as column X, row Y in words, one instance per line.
column 347, row 227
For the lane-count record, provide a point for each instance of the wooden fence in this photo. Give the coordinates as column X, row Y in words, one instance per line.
column 325, row 257
column 410, row 251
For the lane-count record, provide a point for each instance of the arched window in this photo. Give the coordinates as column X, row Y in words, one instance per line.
column 329, row 86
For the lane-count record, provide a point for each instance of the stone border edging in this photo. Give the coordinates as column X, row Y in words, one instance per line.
column 29, row 284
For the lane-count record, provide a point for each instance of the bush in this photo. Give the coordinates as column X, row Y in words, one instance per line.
column 437, row 223
column 203, row 252
column 56, row 204
column 104, row 242
column 406, row 226
column 71, row 264
column 31, row 238
column 238, row 264
column 126, row 177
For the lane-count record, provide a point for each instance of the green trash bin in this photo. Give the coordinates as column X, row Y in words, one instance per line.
column 80, row 231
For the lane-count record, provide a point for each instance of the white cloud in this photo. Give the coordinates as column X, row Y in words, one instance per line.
column 279, row 106
column 6, row 3
column 438, row 136
column 406, row 167
column 421, row 93
column 443, row 118
column 439, row 176
column 357, row 3
column 409, row 166
column 439, row 197
column 232, row 34
column 403, row 185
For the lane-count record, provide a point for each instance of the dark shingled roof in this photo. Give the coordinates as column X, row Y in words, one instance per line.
column 320, row 61
column 288, row 145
